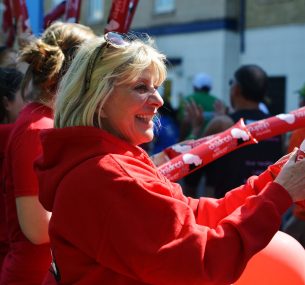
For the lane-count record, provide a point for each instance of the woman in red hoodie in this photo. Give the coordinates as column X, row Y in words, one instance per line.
column 115, row 218
column 10, row 104
column 28, row 259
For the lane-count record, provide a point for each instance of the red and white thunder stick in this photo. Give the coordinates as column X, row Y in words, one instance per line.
column 7, row 23
column 191, row 159
column 19, row 10
column 176, row 149
column 278, row 124
column 132, row 6
column 260, row 130
column 118, row 16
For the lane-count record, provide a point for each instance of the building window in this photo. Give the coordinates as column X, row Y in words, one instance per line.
column 2, row 8
column 56, row 2
column 95, row 11
column 164, row 6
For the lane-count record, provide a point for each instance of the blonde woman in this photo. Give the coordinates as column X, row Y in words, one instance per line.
column 115, row 218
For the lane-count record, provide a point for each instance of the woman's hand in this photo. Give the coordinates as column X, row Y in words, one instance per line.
column 292, row 177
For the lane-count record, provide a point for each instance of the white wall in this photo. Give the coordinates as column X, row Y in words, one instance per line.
column 281, row 52
column 200, row 52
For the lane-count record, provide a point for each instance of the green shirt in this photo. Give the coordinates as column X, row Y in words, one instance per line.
column 203, row 99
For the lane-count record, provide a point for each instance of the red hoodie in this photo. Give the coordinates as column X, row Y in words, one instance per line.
column 25, row 263
column 117, row 220
column 5, row 130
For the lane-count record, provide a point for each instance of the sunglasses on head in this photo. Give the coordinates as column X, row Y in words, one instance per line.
column 115, row 40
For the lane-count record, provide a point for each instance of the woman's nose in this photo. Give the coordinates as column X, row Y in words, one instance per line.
column 156, row 99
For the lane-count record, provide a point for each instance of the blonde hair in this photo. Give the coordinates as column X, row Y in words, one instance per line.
column 50, row 55
column 76, row 106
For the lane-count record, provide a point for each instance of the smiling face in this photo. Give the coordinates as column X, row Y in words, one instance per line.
column 129, row 111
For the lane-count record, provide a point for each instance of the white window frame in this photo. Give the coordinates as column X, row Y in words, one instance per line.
column 1, row 15
column 55, row 3
column 164, row 6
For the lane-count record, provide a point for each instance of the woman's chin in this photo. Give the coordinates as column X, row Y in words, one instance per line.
column 147, row 137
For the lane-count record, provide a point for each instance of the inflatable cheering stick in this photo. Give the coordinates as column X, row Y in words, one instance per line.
column 278, row 124
column 191, row 158
column 20, row 11
column 261, row 130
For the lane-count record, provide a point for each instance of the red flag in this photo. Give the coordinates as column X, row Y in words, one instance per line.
column 131, row 11
column 7, row 24
column 55, row 14
column 19, row 10
column 121, row 15
column 72, row 12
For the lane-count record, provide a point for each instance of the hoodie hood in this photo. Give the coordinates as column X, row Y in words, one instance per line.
column 66, row 148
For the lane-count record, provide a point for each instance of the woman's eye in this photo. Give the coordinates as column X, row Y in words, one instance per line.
column 142, row 88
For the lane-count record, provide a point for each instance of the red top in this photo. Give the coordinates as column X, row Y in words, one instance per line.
column 5, row 130
column 117, row 220
column 25, row 261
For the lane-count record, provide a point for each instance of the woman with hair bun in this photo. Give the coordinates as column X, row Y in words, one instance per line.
column 116, row 219
column 49, row 56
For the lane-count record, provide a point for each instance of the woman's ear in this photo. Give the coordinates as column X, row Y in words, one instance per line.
column 103, row 114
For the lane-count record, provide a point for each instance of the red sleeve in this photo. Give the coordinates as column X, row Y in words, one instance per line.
column 156, row 238
column 220, row 208
column 24, row 149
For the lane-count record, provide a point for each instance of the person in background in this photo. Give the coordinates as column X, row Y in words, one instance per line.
column 295, row 225
column 115, row 218
column 11, row 99
column 10, row 104
column 8, row 57
column 248, row 88
column 201, row 96
column 201, row 100
column 48, row 57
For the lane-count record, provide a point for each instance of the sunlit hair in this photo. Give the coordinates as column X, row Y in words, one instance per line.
column 115, row 66
column 50, row 55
